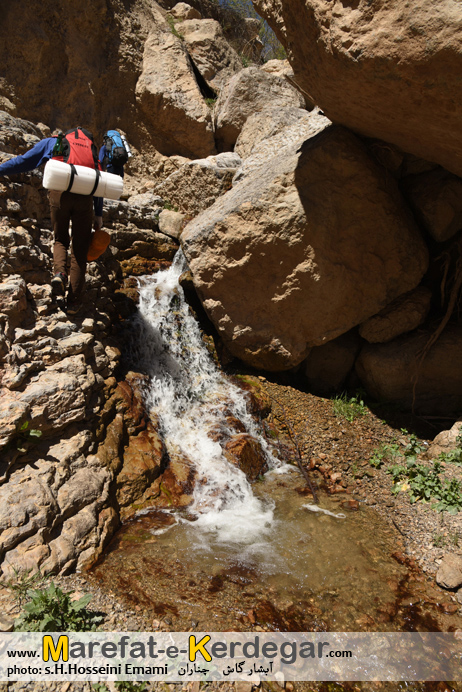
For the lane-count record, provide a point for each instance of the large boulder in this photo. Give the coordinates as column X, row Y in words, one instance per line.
column 212, row 54
column 436, row 197
column 196, row 185
column 169, row 96
column 405, row 313
column 308, row 245
column 389, row 70
column 388, row 372
column 246, row 93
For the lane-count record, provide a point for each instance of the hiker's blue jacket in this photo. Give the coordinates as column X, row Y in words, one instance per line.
column 35, row 157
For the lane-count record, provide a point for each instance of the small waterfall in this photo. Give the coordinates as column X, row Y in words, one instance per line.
column 190, row 397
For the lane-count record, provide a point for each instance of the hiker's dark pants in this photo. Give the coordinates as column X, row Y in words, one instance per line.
column 66, row 207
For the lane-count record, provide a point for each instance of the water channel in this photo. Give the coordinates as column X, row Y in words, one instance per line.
column 246, row 556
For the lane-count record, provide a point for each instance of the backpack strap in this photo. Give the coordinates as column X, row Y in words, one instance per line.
column 73, row 174
column 97, row 177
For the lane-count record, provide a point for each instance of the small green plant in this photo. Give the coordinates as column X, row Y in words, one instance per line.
column 349, row 407
column 245, row 61
column 455, row 455
column 385, row 452
column 99, row 687
column 26, row 434
column 210, row 102
column 52, row 610
column 22, row 582
column 424, row 483
column 128, row 686
column 439, row 540
column 173, row 28
column 414, row 447
column 168, row 205
column 454, row 539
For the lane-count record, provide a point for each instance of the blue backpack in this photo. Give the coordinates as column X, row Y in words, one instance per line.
column 116, row 154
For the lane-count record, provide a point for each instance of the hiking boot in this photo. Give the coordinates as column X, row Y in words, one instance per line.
column 73, row 308
column 58, row 284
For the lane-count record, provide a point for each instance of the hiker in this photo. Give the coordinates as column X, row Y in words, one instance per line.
column 114, row 153
column 74, row 147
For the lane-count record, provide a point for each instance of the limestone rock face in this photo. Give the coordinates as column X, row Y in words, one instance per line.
column 119, row 76
column 169, row 96
column 246, row 93
column 402, row 315
column 212, row 54
column 387, row 371
column 272, row 121
column 387, row 70
column 308, row 245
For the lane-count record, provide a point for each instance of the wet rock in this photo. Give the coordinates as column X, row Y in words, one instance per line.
column 449, row 574
column 402, row 315
column 142, row 464
column 246, row 93
column 313, row 225
column 176, row 485
column 245, row 452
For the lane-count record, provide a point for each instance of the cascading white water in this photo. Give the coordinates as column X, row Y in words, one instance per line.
column 189, row 397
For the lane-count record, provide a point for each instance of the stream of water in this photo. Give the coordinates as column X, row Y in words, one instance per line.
column 244, row 555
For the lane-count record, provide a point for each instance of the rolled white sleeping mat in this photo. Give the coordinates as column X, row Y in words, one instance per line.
column 57, row 176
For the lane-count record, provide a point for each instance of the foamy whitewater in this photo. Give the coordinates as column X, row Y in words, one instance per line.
column 189, row 396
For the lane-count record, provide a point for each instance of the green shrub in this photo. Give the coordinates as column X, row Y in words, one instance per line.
column 51, row 610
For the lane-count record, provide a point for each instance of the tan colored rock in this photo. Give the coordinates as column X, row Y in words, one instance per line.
column 170, row 99
column 327, row 367
column 446, row 441
column 194, row 188
column 13, row 299
column 171, row 223
column 436, row 197
column 279, row 68
column 246, row 93
column 388, row 70
column 449, row 574
column 184, row 11
column 402, row 315
column 387, row 372
column 288, row 122
column 319, row 239
column 211, row 52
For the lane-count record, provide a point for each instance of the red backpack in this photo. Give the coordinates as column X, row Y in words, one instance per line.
column 76, row 147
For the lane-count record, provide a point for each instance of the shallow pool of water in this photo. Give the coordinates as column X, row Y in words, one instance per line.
column 308, row 571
